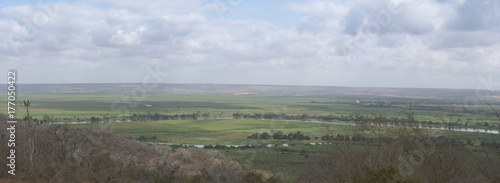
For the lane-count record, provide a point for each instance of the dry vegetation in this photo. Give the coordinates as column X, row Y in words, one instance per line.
column 405, row 154
column 381, row 153
column 64, row 155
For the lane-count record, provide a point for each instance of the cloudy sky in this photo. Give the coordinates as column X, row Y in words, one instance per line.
column 379, row 43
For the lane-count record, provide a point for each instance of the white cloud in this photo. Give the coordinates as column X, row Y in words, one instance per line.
column 429, row 41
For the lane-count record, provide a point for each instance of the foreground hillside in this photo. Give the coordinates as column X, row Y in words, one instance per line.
column 57, row 154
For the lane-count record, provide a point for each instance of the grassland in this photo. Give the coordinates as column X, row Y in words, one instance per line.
column 219, row 129
column 81, row 107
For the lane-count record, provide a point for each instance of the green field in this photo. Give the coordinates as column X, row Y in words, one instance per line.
column 113, row 106
column 214, row 123
column 220, row 132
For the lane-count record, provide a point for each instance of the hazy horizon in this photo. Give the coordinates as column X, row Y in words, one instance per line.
column 256, row 84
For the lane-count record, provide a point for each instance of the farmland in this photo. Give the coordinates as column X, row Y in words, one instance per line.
column 80, row 102
column 221, row 115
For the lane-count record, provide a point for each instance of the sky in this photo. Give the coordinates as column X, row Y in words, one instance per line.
column 376, row 43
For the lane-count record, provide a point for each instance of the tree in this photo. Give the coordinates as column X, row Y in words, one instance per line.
column 27, row 104
column 142, row 137
column 347, row 138
column 339, row 137
column 404, row 153
column 94, row 119
column 298, row 136
column 254, row 136
column 278, row 135
column 469, row 142
column 237, row 115
column 46, row 118
column 265, row 135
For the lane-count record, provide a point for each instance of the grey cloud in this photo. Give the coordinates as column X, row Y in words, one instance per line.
column 382, row 15
column 159, row 31
column 461, row 39
column 393, row 40
column 476, row 15
column 409, row 22
column 102, row 36
column 353, row 21
column 185, row 38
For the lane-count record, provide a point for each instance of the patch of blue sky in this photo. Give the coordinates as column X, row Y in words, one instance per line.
column 274, row 11
column 10, row 3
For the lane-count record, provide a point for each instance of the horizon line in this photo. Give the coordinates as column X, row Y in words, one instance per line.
column 258, row 84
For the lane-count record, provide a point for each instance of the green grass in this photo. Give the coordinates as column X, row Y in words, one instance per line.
column 211, row 131
column 80, row 107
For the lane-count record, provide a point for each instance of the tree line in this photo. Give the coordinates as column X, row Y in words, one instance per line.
column 389, row 120
column 279, row 135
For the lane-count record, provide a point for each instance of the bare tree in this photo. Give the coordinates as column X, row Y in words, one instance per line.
column 31, row 150
column 404, row 153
